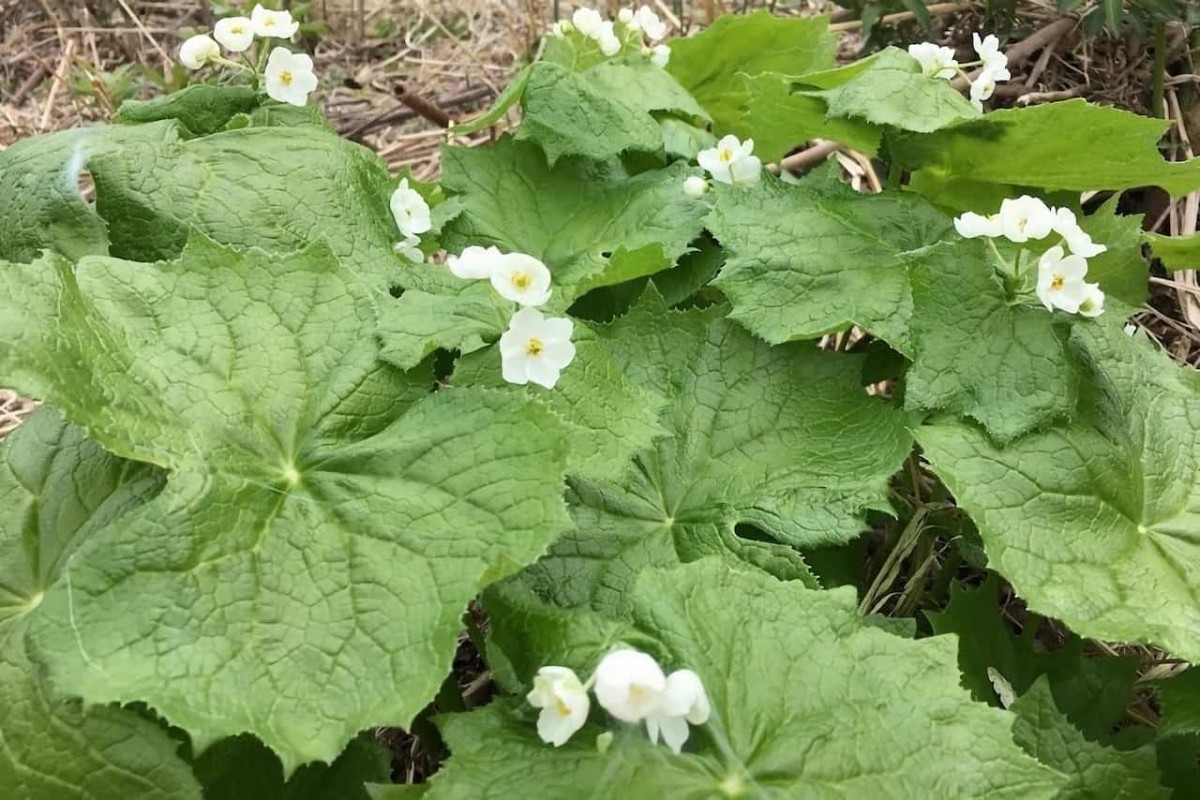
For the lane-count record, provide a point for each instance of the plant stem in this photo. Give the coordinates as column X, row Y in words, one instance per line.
column 1160, row 69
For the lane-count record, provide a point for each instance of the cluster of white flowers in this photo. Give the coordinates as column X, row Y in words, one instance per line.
column 288, row 77
column 412, row 218
column 629, row 685
column 731, row 161
column 535, row 348
column 590, row 24
column 1060, row 282
column 939, row 62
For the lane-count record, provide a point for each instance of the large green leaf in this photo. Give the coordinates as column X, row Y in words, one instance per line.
column 303, row 574
column 806, row 260
column 1180, row 699
column 714, row 64
column 461, row 316
column 808, row 701
column 1054, row 146
column 202, row 108
column 782, row 438
column 1176, row 252
column 57, row 489
column 241, row 766
column 1096, row 522
column 1121, row 271
column 977, row 353
column 779, row 119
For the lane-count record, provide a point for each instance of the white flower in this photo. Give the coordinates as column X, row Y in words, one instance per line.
column 588, row 22
column 410, row 210
column 1026, row 218
column 410, row 249
column 1060, row 281
column 660, row 56
column 198, row 51
column 981, row 89
column 556, row 30
column 683, row 701
column 474, row 262
column 648, row 23
column 563, row 701
column 695, row 187
column 971, row 225
column 289, row 77
column 1077, row 239
column 629, row 684
column 731, row 161
column 536, row 349
column 610, row 45
column 995, row 63
column 625, row 15
column 273, row 24
column 936, row 62
column 522, row 279
column 235, row 34
column 1093, row 300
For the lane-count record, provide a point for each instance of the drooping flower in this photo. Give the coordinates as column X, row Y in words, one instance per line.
column 410, row 210
column 731, row 161
column 410, row 248
column 588, row 22
column 536, row 349
column 289, row 77
column 935, row 61
column 610, row 44
column 522, row 279
column 1060, row 281
column 625, row 16
column 198, row 51
column 683, row 701
column 564, row 702
column 1025, row 217
column 982, row 88
column 660, row 56
column 474, row 262
column 235, row 34
column 695, row 187
column 271, row 24
column 1092, row 304
column 648, row 23
column 629, row 684
column 1077, row 239
column 995, row 63
column 971, row 225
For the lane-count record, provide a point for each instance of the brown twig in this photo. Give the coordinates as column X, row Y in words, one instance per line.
column 408, row 111
column 29, row 84
column 1032, row 98
column 64, row 67
column 819, row 151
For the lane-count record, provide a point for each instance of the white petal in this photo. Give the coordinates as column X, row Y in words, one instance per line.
column 710, row 160
column 674, row 732
column 971, row 225
column 587, row 21
column 542, row 372
column 629, row 684
column 235, row 34
column 746, row 170
column 1073, row 268
column 558, row 329
column 1093, row 301
column 684, row 696
column 558, row 354
column 729, row 142
column 514, row 368
column 198, row 51
column 661, row 56
column 474, row 262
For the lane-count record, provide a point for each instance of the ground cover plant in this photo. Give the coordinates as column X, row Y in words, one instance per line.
column 620, row 398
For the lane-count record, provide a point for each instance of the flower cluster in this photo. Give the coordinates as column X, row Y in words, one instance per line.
column 287, row 77
column 413, row 218
column 1063, row 267
column 731, row 161
column 629, row 685
column 643, row 21
column 535, row 348
column 939, row 62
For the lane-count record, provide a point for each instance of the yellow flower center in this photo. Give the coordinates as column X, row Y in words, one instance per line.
column 521, row 280
column 1056, row 283
column 285, row 77
column 534, row 347
column 725, row 156
column 1022, row 223
column 562, row 708
column 269, row 22
column 238, row 29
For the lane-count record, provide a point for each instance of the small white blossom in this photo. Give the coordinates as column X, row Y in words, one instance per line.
column 1077, row 239
column 982, row 88
column 610, row 45
column 289, row 77
column 588, row 22
column 1060, row 281
column 625, row 15
column 995, row 63
column 1026, row 218
column 1092, row 304
column 536, row 349
column 410, row 249
column 695, row 187
column 683, row 701
column 198, row 51
column 410, row 210
column 270, row 24
column 660, row 56
column 556, row 30
column 648, row 23
column 564, row 703
column 935, row 61
column 475, row 262
column 629, row 684
column 522, row 279
column 971, row 225
column 731, row 161
column 235, row 34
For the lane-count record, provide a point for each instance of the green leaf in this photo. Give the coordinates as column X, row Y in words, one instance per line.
column 1175, row 252
column 783, row 438
column 807, row 701
column 1180, row 700
column 977, row 354
column 804, row 261
column 57, row 489
column 779, row 119
column 1094, row 770
column 596, row 226
column 321, row 522
column 1053, row 146
column 1121, row 271
column 714, row 64
column 242, row 766
column 464, row 317
column 506, row 100
column 889, row 89
column 201, row 109
column 1095, row 522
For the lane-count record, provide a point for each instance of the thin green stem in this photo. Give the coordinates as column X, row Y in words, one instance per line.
column 232, row 64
